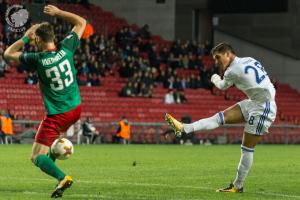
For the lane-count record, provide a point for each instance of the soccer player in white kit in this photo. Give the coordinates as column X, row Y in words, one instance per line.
column 258, row 112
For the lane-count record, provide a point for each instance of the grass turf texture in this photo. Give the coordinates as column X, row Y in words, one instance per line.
column 154, row 172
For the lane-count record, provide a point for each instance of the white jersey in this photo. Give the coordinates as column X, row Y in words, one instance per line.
column 249, row 76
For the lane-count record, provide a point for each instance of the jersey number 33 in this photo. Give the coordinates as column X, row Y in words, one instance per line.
column 55, row 73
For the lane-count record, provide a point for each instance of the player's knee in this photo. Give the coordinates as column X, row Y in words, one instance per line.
column 249, row 145
column 33, row 157
column 220, row 118
column 250, row 140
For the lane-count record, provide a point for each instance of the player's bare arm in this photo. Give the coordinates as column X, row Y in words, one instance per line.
column 78, row 22
column 13, row 52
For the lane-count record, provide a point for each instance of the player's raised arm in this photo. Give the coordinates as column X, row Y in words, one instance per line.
column 13, row 52
column 78, row 22
column 221, row 84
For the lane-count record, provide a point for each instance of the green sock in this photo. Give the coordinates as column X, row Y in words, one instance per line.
column 47, row 165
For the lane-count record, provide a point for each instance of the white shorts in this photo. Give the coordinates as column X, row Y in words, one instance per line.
column 258, row 116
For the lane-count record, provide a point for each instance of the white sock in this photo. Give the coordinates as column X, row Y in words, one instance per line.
column 205, row 124
column 244, row 166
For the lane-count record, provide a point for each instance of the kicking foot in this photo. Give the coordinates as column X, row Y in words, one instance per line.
column 174, row 124
column 62, row 186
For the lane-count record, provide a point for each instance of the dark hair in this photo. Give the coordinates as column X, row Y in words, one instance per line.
column 45, row 32
column 222, row 48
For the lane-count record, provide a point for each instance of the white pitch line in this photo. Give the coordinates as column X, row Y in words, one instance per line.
column 85, row 196
column 191, row 187
column 152, row 184
column 278, row 195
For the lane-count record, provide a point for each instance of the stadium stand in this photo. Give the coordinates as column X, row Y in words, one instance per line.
column 105, row 105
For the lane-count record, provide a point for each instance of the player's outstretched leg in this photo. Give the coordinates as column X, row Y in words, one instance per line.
column 201, row 125
column 62, row 186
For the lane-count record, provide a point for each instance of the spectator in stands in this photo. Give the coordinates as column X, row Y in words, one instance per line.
column 185, row 61
column 207, row 47
column 178, row 84
column 192, row 82
column 31, row 78
column 127, row 90
column 94, row 80
column 164, row 55
column 191, row 61
column 198, row 63
column 124, row 70
column 205, row 74
column 3, row 8
column 162, row 78
column 145, row 91
column 175, row 48
column 89, row 130
column 173, row 62
column 183, row 83
column 135, row 89
column 201, row 50
column 170, row 82
column 3, row 66
column 147, row 78
column 98, row 70
column 123, row 132
column 198, row 82
column 144, row 32
column 179, row 96
column 85, row 69
column 169, row 97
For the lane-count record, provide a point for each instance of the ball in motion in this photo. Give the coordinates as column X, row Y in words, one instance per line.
column 62, row 148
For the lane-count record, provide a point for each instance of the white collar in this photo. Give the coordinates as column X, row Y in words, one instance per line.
column 235, row 61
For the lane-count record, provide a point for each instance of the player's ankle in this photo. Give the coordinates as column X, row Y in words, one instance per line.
column 188, row 128
column 238, row 184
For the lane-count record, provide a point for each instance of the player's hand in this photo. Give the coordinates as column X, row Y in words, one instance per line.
column 215, row 78
column 51, row 10
column 30, row 33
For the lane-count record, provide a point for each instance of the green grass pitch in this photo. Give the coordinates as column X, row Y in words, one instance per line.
column 161, row 172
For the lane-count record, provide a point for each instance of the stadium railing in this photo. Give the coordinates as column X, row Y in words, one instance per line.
column 159, row 133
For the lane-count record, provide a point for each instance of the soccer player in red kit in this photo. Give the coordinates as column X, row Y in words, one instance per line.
column 54, row 65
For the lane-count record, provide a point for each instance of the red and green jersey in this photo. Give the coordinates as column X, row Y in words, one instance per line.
column 57, row 75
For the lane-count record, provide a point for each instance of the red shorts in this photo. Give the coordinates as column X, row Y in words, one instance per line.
column 53, row 125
